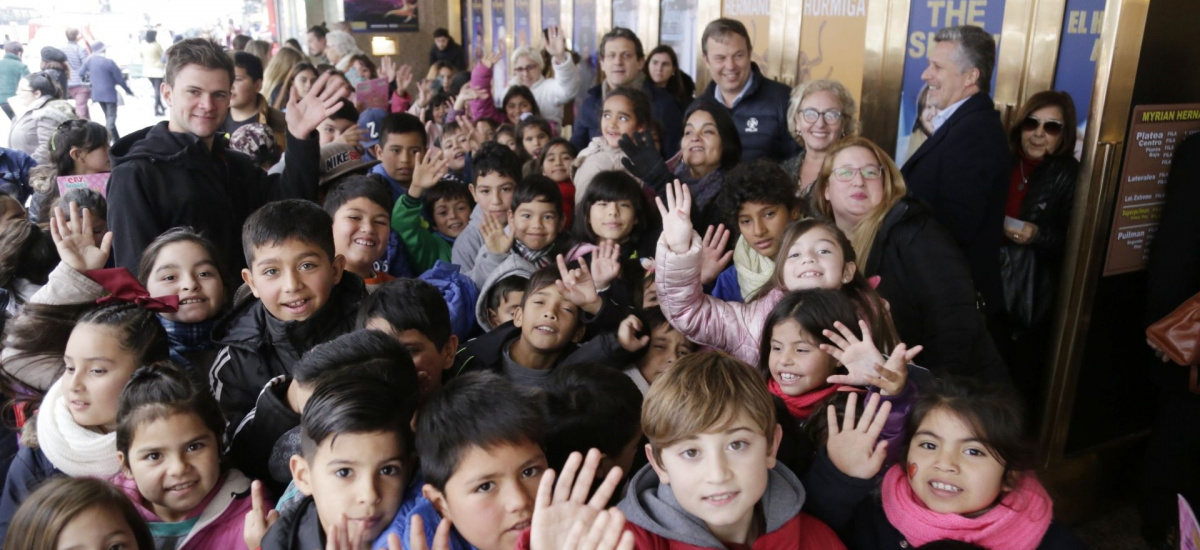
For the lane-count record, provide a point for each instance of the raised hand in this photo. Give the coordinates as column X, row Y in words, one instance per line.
column 429, row 170
column 555, row 514
column 854, row 449
column 606, row 264
column 495, row 238
column 712, row 249
column 352, row 136
column 556, row 43
column 404, row 77
column 577, row 286
column 644, row 161
column 607, row 533
column 425, row 92
column 863, row 360
column 676, row 217
column 258, row 519
column 387, row 69
column 323, row 100
column 627, row 334
column 416, row 536
column 75, row 241
column 491, row 59
column 339, row 536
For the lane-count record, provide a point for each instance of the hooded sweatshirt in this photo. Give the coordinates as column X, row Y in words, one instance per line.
column 658, row 521
column 513, row 265
column 163, row 179
column 466, row 246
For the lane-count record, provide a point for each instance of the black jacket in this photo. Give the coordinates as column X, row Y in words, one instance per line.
column 925, row 279
column 962, row 171
column 486, row 353
column 163, row 179
column 28, row 470
column 255, row 436
column 663, row 107
column 1047, row 204
column 761, row 118
column 257, row 347
column 300, row 529
column 453, row 55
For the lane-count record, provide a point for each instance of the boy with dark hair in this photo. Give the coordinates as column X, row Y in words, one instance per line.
column 353, row 428
column 247, row 104
column 758, row 202
column 341, row 124
column 713, row 412
column 531, row 235
column 501, row 295
column 664, row 346
column 426, row 247
column 359, row 206
column 179, row 173
column 414, row 313
column 480, row 433
column 301, row 298
column 497, row 171
column 278, row 408
column 402, row 140
column 456, row 145
column 592, row 405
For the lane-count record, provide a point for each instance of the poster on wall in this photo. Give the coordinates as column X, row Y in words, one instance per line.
column 500, row 31
column 924, row 21
column 521, row 28
column 1077, row 53
column 756, row 16
column 551, row 13
column 678, row 30
column 832, row 39
column 625, row 14
column 382, row 15
column 1154, row 132
column 476, row 30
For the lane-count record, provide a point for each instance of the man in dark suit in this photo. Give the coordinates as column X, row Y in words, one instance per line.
column 621, row 57
column 963, row 169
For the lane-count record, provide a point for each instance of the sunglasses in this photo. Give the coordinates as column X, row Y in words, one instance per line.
column 1052, row 127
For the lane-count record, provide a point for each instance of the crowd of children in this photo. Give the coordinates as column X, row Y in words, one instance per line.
column 486, row 339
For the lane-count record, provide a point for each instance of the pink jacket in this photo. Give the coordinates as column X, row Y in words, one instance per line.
column 222, row 515
column 728, row 326
column 481, row 79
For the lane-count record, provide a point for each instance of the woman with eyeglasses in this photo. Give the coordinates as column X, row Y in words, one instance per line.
column 45, row 109
column 819, row 113
column 551, row 94
column 922, row 272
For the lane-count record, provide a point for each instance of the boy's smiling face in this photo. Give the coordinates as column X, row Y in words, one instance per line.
column 451, row 216
column 360, row 475
column 720, row 475
column 535, row 223
column 490, row 496
column 360, row 234
column 548, row 322
column 293, row 278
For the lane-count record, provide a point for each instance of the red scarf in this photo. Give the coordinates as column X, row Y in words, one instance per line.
column 1018, row 522
column 801, row 406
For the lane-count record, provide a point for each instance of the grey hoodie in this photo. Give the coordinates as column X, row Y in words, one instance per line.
column 652, row 506
column 513, row 265
column 468, row 243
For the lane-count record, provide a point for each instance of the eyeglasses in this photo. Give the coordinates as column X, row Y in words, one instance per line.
column 1051, row 127
column 846, row 173
column 831, row 116
column 525, row 69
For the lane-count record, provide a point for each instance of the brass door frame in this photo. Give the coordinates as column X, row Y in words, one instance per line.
column 706, row 10
column 883, row 70
column 648, row 23
column 566, row 20
column 1104, row 143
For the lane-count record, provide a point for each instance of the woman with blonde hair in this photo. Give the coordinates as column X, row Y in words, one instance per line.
column 340, row 47
column 923, row 273
column 820, row 112
column 277, row 72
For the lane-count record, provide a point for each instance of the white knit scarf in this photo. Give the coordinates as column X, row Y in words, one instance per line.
column 753, row 269
column 73, row 449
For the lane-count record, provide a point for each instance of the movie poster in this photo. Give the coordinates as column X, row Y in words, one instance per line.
column 625, row 14
column 832, row 39
column 756, row 16
column 522, row 33
column 1077, row 53
column 678, row 30
column 924, row 21
column 382, row 15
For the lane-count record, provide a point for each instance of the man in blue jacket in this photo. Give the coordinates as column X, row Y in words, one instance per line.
column 758, row 104
column 621, row 58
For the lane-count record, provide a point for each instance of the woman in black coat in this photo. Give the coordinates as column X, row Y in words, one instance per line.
column 922, row 271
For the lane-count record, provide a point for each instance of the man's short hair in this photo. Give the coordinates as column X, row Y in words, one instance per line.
column 356, row 403
column 14, row 48
column 360, row 351
column 704, row 392
column 976, row 50
column 720, row 29
column 240, row 41
column 409, row 304
column 401, row 123
column 280, row 221
column 622, row 32
column 250, row 63
column 480, row 409
column 319, row 30
column 502, row 288
column 197, row 51
column 441, row 33
column 590, row 405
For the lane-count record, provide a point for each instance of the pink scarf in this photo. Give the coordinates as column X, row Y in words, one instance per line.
column 801, row 406
column 1018, row 522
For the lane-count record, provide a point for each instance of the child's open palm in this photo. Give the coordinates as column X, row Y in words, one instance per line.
column 865, row 364
column 497, row 240
column 304, row 114
column 554, row 515
column 855, row 449
column 606, row 264
column 578, row 286
column 712, row 249
column 676, row 217
column 429, row 169
column 75, row 241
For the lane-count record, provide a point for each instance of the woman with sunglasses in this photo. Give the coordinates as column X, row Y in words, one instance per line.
column 819, row 113
column 923, row 273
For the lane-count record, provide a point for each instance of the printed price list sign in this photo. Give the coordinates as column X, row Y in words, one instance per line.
column 1154, row 133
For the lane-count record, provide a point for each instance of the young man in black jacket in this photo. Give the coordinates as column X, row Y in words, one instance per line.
column 182, row 173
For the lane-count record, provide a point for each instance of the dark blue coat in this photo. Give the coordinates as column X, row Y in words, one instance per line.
column 962, row 171
column 106, row 76
column 761, row 118
column 28, row 470
column 14, row 173
column 663, row 107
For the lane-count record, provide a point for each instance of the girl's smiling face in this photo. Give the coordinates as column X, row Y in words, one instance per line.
column 185, row 268
column 517, row 105
column 533, row 139
column 796, row 362
column 950, row 469
column 557, row 164
column 612, row 220
column 175, row 462
column 617, row 119
column 815, row 260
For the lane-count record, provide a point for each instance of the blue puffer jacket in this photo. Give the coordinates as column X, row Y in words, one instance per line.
column 460, row 294
column 14, row 173
column 663, row 108
column 761, row 118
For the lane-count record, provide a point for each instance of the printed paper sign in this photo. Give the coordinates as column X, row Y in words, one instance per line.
column 373, row 93
column 96, row 182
